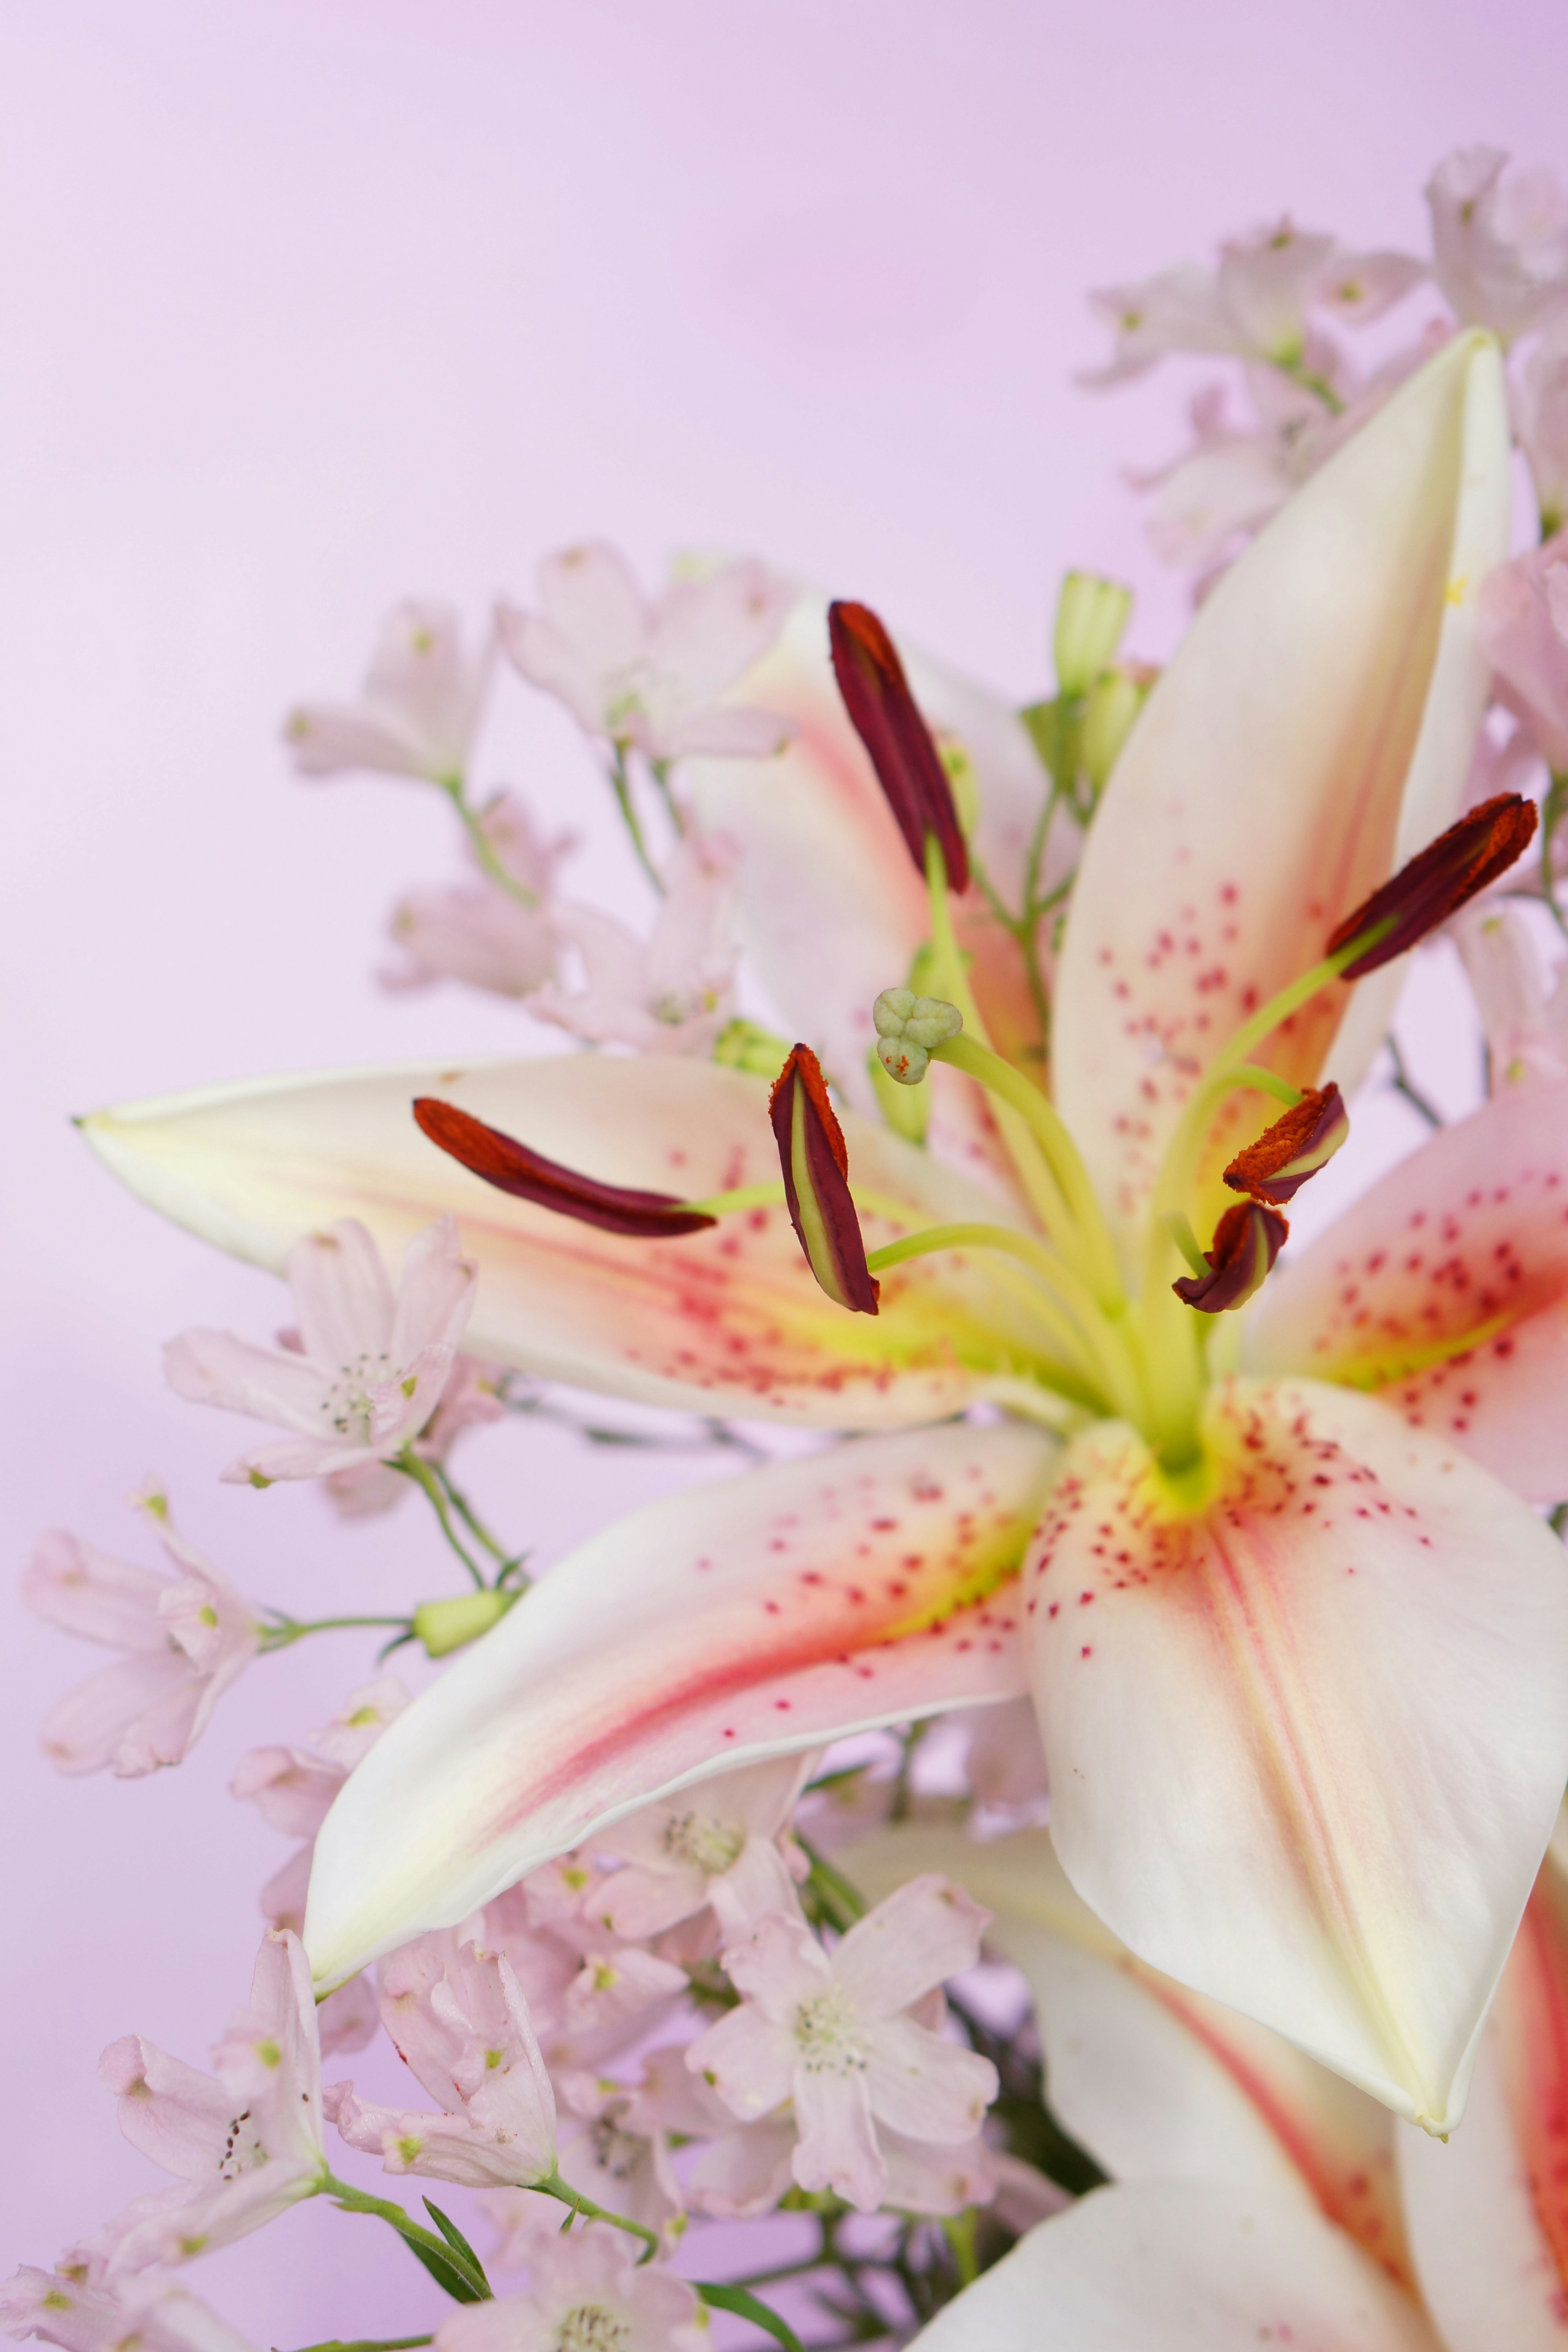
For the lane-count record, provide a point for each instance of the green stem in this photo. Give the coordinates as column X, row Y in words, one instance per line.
column 842, row 1895
column 566, row 2195
column 370, row 2344
column 1404, row 1084
column 479, row 842
column 621, row 785
column 1551, row 810
column 437, row 2254
column 1082, row 1329
column 411, row 1465
column 288, row 1630
column 659, row 770
column 508, row 1561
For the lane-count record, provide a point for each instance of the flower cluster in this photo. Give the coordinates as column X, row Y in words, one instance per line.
column 1083, row 1850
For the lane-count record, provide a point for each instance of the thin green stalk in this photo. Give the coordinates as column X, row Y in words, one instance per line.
column 480, row 841
column 659, row 770
column 288, row 1630
column 508, row 1562
column 1552, row 809
column 409, row 1462
column 566, row 2195
column 1406, row 1086
column 369, row 2344
column 1082, row 1329
column 621, row 784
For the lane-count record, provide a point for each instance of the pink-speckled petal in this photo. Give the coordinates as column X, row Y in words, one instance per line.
column 1313, row 730
column 725, row 1320
column 1307, row 1738
column 1489, row 2211
column 1158, row 2083
column 1445, row 1290
column 748, row 1619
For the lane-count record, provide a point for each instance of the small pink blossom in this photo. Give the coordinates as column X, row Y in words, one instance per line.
column 470, row 1400
column 419, row 711
column 671, row 993
column 587, row 2293
column 135, row 2315
column 186, row 1638
column 461, row 2025
column 832, row 2033
column 1499, row 244
column 1526, row 1024
column 1540, row 400
column 1006, row 1763
column 717, row 1843
column 1523, row 608
column 293, row 1788
column 476, row 931
column 245, row 2143
column 589, row 1991
column 650, row 674
column 374, row 1366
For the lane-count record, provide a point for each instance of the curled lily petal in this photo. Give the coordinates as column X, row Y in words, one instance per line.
column 1157, row 2083
column 1179, row 2267
column 748, row 1619
column 1489, row 2211
column 1314, row 729
column 1305, row 1728
column 1445, row 1290
column 728, row 1320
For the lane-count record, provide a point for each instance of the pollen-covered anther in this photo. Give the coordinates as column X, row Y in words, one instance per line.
column 513, row 1166
column 1276, row 1167
column 1247, row 1241
column 816, row 1163
column 908, row 1029
column 887, row 718
column 1438, row 881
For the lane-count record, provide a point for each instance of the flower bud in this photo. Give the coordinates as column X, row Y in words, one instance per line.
column 1276, row 1167
column 513, row 1166
column 815, row 1164
column 1113, row 703
column 1247, row 1241
column 1091, row 613
column 887, row 718
column 908, row 1027
column 446, row 1625
column 1436, row 882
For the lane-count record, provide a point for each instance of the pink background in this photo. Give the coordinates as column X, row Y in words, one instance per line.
column 309, row 303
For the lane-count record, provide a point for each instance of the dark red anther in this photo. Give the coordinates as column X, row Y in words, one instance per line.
column 815, row 1164
column 1247, row 1241
column 1276, row 1167
column 1439, row 880
column 887, row 718
column 511, row 1167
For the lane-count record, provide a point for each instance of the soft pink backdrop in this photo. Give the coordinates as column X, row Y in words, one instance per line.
column 307, row 303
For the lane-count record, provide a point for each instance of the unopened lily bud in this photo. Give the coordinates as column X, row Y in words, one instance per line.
column 1247, row 1241
column 1276, row 1167
column 816, row 1163
column 747, row 1046
column 887, row 718
column 513, row 1166
column 447, row 1626
column 907, row 1028
column 906, row 1109
column 1113, row 703
column 1091, row 613
column 959, row 770
column 1438, row 882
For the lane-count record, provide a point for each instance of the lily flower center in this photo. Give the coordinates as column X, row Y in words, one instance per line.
column 713, row 1845
column 593, row 2327
column 346, row 1407
column 828, row 2036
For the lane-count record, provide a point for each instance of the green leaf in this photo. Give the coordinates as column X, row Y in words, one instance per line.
column 745, row 2305
column 455, row 2237
column 452, row 2275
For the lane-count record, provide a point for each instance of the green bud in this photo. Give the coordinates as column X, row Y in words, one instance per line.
column 746, row 1046
column 959, row 769
column 1043, row 724
column 444, row 1625
column 1113, row 703
column 1091, row 613
column 906, row 1109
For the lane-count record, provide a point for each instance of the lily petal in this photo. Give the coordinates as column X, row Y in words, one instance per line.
column 1308, row 1737
column 1156, row 2082
column 724, row 1320
column 748, row 1619
column 1445, row 1288
column 1313, row 730
column 1176, row 2268
column 1489, row 2212
column 830, row 906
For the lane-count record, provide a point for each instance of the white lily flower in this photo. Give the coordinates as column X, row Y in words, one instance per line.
column 1299, row 1656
